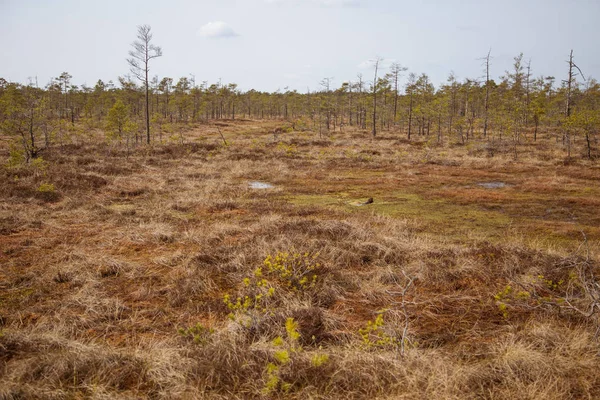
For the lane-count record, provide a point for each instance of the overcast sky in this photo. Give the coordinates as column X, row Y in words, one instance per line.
column 273, row 44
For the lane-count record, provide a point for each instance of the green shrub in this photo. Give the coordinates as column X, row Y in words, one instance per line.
column 46, row 192
column 375, row 335
column 294, row 270
column 46, row 188
column 288, row 272
column 199, row 334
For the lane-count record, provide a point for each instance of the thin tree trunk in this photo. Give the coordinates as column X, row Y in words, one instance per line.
column 147, row 107
column 567, row 136
column 375, row 98
column 410, row 106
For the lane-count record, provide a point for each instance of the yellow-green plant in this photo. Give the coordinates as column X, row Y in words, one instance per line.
column 47, row 192
column 531, row 293
column 198, row 333
column 500, row 298
column 550, row 284
column 118, row 123
column 255, row 296
column 288, row 149
column 288, row 349
column 300, row 124
column 295, row 270
column 16, row 156
column 374, row 334
column 46, row 188
column 319, row 360
column 39, row 165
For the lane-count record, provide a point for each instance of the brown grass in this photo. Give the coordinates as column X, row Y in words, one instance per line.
column 98, row 275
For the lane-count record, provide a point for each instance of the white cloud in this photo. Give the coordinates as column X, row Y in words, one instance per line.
column 217, row 30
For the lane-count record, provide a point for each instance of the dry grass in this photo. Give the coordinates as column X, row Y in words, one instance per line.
column 99, row 274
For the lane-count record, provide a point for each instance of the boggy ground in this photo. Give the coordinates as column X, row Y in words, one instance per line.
column 112, row 285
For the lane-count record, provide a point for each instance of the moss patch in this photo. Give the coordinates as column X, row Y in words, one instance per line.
column 445, row 218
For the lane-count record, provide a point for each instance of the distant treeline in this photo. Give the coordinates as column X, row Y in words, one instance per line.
column 517, row 107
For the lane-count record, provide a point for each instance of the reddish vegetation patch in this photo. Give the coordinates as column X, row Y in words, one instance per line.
column 116, row 286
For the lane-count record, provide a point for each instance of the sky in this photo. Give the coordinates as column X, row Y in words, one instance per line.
column 272, row 45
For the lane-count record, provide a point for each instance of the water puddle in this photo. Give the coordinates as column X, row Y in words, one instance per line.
column 260, row 185
column 492, row 185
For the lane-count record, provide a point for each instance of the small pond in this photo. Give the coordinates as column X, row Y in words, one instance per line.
column 492, row 185
column 260, row 185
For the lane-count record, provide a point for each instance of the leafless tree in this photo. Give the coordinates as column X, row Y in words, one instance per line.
column 143, row 51
column 570, row 83
column 410, row 89
column 377, row 61
column 396, row 70
column 403, row 305
column 360, row 109
column 527, row 93
column 326, row 84
column 487, row 91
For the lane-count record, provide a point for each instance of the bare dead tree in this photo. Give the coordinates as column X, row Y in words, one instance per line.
column 410, row 90
column 403, row 303
column 222, row 137
column 350, row 84
column 527, row 92
column 396, row 71
column 583, row 293
column 571, row 81
column 143, row 51
column 326, row 84
column 486, row 63
column 360, row 110
column 377, row 61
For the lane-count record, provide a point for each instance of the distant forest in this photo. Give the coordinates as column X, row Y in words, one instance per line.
column 140, row 109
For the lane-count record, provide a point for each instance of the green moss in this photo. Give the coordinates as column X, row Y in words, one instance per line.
column 445, row 217
column 15, row 297
column 445, row 211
